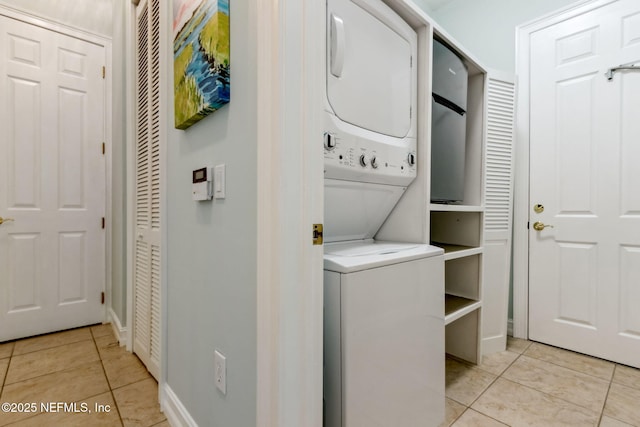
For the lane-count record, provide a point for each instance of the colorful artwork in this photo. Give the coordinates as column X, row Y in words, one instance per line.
column 200, row 59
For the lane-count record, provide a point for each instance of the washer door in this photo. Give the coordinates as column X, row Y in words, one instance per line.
column 370, row 56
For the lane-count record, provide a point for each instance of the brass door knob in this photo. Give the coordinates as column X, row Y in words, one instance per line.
column 3, row 220
column 538, row 226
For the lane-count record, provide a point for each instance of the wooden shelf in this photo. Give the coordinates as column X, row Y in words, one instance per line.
column 457, row 251
column 441, row 207
column 456, row 307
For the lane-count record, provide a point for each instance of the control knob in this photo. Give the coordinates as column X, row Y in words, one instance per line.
column 329, row 141
column 374, row 162
column 411, row 159
column 363, row 161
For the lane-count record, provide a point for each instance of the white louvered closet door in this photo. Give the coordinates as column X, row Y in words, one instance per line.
column 498, row 210
column 146, row 307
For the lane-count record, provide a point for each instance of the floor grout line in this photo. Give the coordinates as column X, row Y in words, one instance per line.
column 561, row 398
column 44, row 375
column 604, row 404
column 52, row 347
column 4, row 379
column 576, row 354
column 100, row 357
column 489, row 386
column 598, row 413
column 104, row 371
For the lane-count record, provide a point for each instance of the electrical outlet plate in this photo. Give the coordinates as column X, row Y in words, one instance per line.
column 220, row 371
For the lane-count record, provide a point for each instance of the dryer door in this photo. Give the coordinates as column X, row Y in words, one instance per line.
column 370, row 63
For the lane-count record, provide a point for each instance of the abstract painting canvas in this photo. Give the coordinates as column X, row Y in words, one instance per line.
column 200, row 59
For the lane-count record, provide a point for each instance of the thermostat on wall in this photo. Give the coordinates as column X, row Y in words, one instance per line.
column 202, row 184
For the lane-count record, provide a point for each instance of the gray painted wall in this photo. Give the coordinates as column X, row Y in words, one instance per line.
column 91, row 15
column 212, row 248
column 487, row 28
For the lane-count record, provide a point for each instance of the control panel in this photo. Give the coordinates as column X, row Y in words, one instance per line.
column 201, row 180
column 350, row 157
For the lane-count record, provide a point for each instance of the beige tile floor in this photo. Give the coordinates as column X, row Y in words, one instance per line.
column 85, row 366
column 532, row 384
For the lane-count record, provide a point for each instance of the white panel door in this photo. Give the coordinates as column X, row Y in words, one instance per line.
column 52, row 181
column 585, row 271
column 146, row 295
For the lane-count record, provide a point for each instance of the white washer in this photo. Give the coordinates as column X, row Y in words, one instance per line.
column 383, row 335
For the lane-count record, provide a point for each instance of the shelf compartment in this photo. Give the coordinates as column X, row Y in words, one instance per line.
column 457, row 228
column 462, row 276
column 462, row 336
column 456, row 307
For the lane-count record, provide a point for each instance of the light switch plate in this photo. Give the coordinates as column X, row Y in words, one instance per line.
column 219, row 182
column 220, row 368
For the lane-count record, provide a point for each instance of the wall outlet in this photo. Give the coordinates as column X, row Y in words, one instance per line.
column 220, row 367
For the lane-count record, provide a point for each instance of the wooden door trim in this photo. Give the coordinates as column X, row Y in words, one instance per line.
column 522, row 173
column 290, row 38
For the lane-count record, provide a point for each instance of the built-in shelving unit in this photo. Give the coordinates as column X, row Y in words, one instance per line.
column 458, row 229
column 476, row 231
column 459, row 233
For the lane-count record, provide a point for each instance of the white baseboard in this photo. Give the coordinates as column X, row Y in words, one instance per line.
column 118, row 329
column 510, row 327
column 494, row 344
column 173, row 409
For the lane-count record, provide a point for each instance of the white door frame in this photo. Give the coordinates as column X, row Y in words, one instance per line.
column 130, row 132
column 521, row 199
column 290, row 69
column 24, row 15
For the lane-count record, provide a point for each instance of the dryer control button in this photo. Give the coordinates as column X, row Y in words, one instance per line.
column 363, row 161
column 374, row 162
column 329, row 141
column 411, row 158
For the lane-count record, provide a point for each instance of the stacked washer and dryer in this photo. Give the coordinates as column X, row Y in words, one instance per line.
column 384, row 315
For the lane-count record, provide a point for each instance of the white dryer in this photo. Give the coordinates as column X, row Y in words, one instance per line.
column 369, row 120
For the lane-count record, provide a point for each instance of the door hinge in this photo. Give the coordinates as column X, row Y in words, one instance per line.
column 102, row 297
column 317, row 234
column 104, row 148
column 104, row 71
column 527, row 225
column 103, row 223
